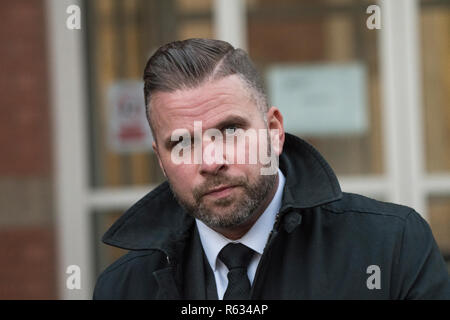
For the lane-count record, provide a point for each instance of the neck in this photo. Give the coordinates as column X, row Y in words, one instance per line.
column 239, row 231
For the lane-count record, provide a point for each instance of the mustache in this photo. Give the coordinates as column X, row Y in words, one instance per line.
column 215, row 182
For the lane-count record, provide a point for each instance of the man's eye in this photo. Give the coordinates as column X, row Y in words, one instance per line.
column 231, row 129
column 173, row 144
column 184, row 142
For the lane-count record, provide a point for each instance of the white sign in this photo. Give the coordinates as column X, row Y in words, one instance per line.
column 322, row 99
column 127, row 123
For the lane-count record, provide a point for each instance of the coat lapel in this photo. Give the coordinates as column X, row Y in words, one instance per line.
column 194, row 286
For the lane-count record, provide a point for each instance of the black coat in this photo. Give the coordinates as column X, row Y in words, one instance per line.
column 325, row 245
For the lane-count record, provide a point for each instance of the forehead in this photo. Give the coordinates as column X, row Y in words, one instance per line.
column 209, row 103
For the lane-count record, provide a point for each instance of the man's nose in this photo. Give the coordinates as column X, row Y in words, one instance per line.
column 213, row 159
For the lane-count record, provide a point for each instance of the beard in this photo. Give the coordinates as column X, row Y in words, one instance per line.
column 230, row 211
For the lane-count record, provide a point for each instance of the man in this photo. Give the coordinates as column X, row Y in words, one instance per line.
column 220, row 228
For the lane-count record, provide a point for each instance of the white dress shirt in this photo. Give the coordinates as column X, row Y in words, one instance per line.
column 255, row 238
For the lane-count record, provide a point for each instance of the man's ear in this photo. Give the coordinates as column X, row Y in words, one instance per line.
column 155, row 148
column 276, row 129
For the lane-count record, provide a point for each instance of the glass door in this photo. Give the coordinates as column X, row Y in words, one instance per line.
column 383, row 138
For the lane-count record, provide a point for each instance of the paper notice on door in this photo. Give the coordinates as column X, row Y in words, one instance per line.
column 128, row 129
column 320, row 99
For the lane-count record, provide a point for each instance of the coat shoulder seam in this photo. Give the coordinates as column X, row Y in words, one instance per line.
column 368, row 211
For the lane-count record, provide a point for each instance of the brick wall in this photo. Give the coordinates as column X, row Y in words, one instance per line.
column 27, row 259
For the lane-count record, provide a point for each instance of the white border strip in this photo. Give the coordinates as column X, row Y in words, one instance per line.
column 123, row 198
column 438, row 184
column 402, row 118
column 370, row 186
column 230, row 22
column 67, row 67
column 116, row 199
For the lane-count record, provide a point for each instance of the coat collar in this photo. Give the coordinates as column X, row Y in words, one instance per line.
column 158, row 222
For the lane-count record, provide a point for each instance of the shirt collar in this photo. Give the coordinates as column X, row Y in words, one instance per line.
column 255, row 238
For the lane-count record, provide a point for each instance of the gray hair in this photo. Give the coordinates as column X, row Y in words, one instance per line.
column 189, row 63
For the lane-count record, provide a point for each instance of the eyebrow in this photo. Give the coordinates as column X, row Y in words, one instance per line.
column 229, row 120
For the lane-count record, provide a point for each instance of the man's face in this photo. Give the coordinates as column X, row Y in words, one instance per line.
column 223, row 194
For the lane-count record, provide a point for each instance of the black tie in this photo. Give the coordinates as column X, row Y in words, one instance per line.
column 236, row 257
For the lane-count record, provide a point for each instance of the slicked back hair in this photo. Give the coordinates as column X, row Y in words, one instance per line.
column 189, row 63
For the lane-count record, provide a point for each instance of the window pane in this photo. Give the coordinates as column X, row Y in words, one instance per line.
column 121, row 37
column 435, row 31
column 327, row 41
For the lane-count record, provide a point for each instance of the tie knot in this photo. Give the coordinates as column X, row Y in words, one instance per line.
column 236, row 255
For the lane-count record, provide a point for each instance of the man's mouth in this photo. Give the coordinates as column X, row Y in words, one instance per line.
column 220, row 191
